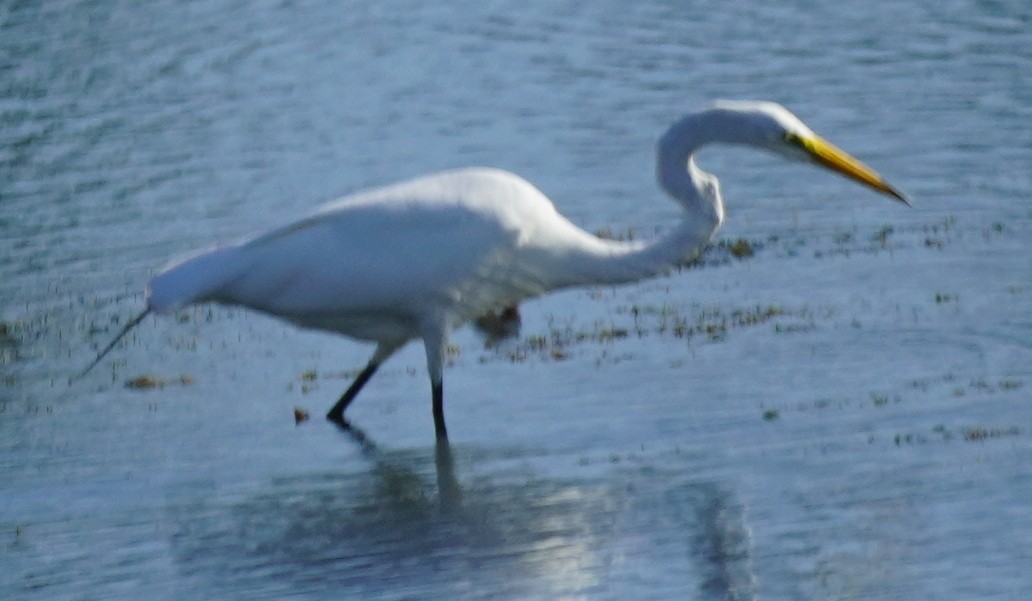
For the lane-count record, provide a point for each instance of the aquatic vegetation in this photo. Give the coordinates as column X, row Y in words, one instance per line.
column 979, row 433
column 7, row 333
column 965, row 433
column 711, row 324
column 886, row 238
column 725, row 252
column 741, row 249
column 882, row 235
column 499, row 325
column 12, row 335
column 148, row 381
column 145, row 382
column 609, row 234
column 609, row 334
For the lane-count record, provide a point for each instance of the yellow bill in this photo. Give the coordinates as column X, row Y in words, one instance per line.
column 827, row 154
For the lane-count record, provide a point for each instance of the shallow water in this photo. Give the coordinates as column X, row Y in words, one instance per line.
column 845, row 414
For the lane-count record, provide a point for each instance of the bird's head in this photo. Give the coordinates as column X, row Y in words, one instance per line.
column 770, row 126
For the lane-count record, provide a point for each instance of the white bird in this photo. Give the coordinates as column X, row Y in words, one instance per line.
column 415, row 259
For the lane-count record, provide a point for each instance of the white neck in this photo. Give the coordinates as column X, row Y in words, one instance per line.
column 698, row 192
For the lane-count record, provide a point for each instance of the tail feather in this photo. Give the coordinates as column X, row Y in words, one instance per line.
column 107, row 349
column 193, row 280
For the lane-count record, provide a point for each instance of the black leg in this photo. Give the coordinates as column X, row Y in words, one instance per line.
column 438, row 394
column 336, row 414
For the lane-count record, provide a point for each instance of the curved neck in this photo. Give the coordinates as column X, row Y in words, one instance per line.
column 676, row 171
column 697, row 192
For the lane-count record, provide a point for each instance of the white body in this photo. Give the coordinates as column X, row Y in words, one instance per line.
column 386, row 264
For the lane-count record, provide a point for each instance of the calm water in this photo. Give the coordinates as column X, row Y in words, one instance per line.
column 844, row 415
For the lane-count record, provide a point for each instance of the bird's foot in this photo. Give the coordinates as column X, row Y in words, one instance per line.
column 339, row 421
column 353, row 432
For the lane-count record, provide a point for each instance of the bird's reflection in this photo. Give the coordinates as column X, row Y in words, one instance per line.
column 392, row 525
column 448, row 490
column 449, row 493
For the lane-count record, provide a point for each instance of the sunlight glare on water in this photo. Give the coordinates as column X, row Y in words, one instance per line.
column 834, row 404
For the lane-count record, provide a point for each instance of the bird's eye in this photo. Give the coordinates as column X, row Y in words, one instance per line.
column 793, row 138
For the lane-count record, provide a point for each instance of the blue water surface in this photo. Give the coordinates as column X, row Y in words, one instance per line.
column 841, row 413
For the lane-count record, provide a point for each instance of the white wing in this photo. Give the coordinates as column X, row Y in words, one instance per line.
column 455, row 244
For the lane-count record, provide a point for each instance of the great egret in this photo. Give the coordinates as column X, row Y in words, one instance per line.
column 416, row 259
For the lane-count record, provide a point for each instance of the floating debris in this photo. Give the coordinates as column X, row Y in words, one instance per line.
column 300, row 416
column 145, row 382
